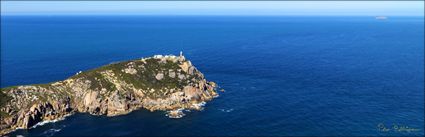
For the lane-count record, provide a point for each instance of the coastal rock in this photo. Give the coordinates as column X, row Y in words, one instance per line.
column 159, row 76
column 116, row 105
column 192, row 93
column 190, row 70
column 130, row 71
column 163, row 82
column 178, row 113
column 172, row 74
column 185, row 66
column 181, row 76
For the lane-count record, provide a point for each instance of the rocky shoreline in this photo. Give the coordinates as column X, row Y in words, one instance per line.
column 167, row 83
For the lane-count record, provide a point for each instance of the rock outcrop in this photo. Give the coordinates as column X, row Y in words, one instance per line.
column 167, row 83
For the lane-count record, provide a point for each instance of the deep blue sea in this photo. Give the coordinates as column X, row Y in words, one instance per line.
column 288, row 76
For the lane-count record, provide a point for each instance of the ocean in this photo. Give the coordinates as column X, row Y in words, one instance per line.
column 282, row 75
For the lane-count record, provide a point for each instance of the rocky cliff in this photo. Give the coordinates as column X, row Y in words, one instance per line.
column 168, row 83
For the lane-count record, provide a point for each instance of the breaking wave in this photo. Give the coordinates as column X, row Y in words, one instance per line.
column 199, row 106
column 50, row 121
column 226, row 110
column 51, row 132
column 175, row 113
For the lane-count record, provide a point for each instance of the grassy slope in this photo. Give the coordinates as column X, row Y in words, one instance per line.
column 143, row 79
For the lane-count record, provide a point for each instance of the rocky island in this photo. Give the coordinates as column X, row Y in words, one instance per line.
column 168, row 83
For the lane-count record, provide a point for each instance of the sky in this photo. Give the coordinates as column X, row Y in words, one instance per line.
column 296, row 8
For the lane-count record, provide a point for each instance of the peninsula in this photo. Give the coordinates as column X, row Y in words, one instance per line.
column 168, row 83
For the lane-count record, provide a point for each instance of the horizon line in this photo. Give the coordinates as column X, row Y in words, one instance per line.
column 222, row 8
column 291, row 15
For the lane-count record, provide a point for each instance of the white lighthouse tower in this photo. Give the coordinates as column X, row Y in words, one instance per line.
column 181, row 57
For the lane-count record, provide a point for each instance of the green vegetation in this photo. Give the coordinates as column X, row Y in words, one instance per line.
column 4, row 98
column 146, row 79
column 48, row 85
column 143, row 79
column 8, row 88
column 138, row 73
column 97, row 79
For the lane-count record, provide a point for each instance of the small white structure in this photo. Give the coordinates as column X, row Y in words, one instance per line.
column 381, row 17
column 78, row 72
column 181, row 57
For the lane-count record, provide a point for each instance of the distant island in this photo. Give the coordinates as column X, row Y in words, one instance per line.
column 169, row 83
column 381, row 17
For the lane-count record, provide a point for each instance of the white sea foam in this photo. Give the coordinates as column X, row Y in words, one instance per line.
column 51, row 132
column 50, row 121
column 216, row 95
column 43, row 123
column 175, row 113
column 198, row 106
column 226, row 110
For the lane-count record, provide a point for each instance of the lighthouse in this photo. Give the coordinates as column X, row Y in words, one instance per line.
column 181, row 57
